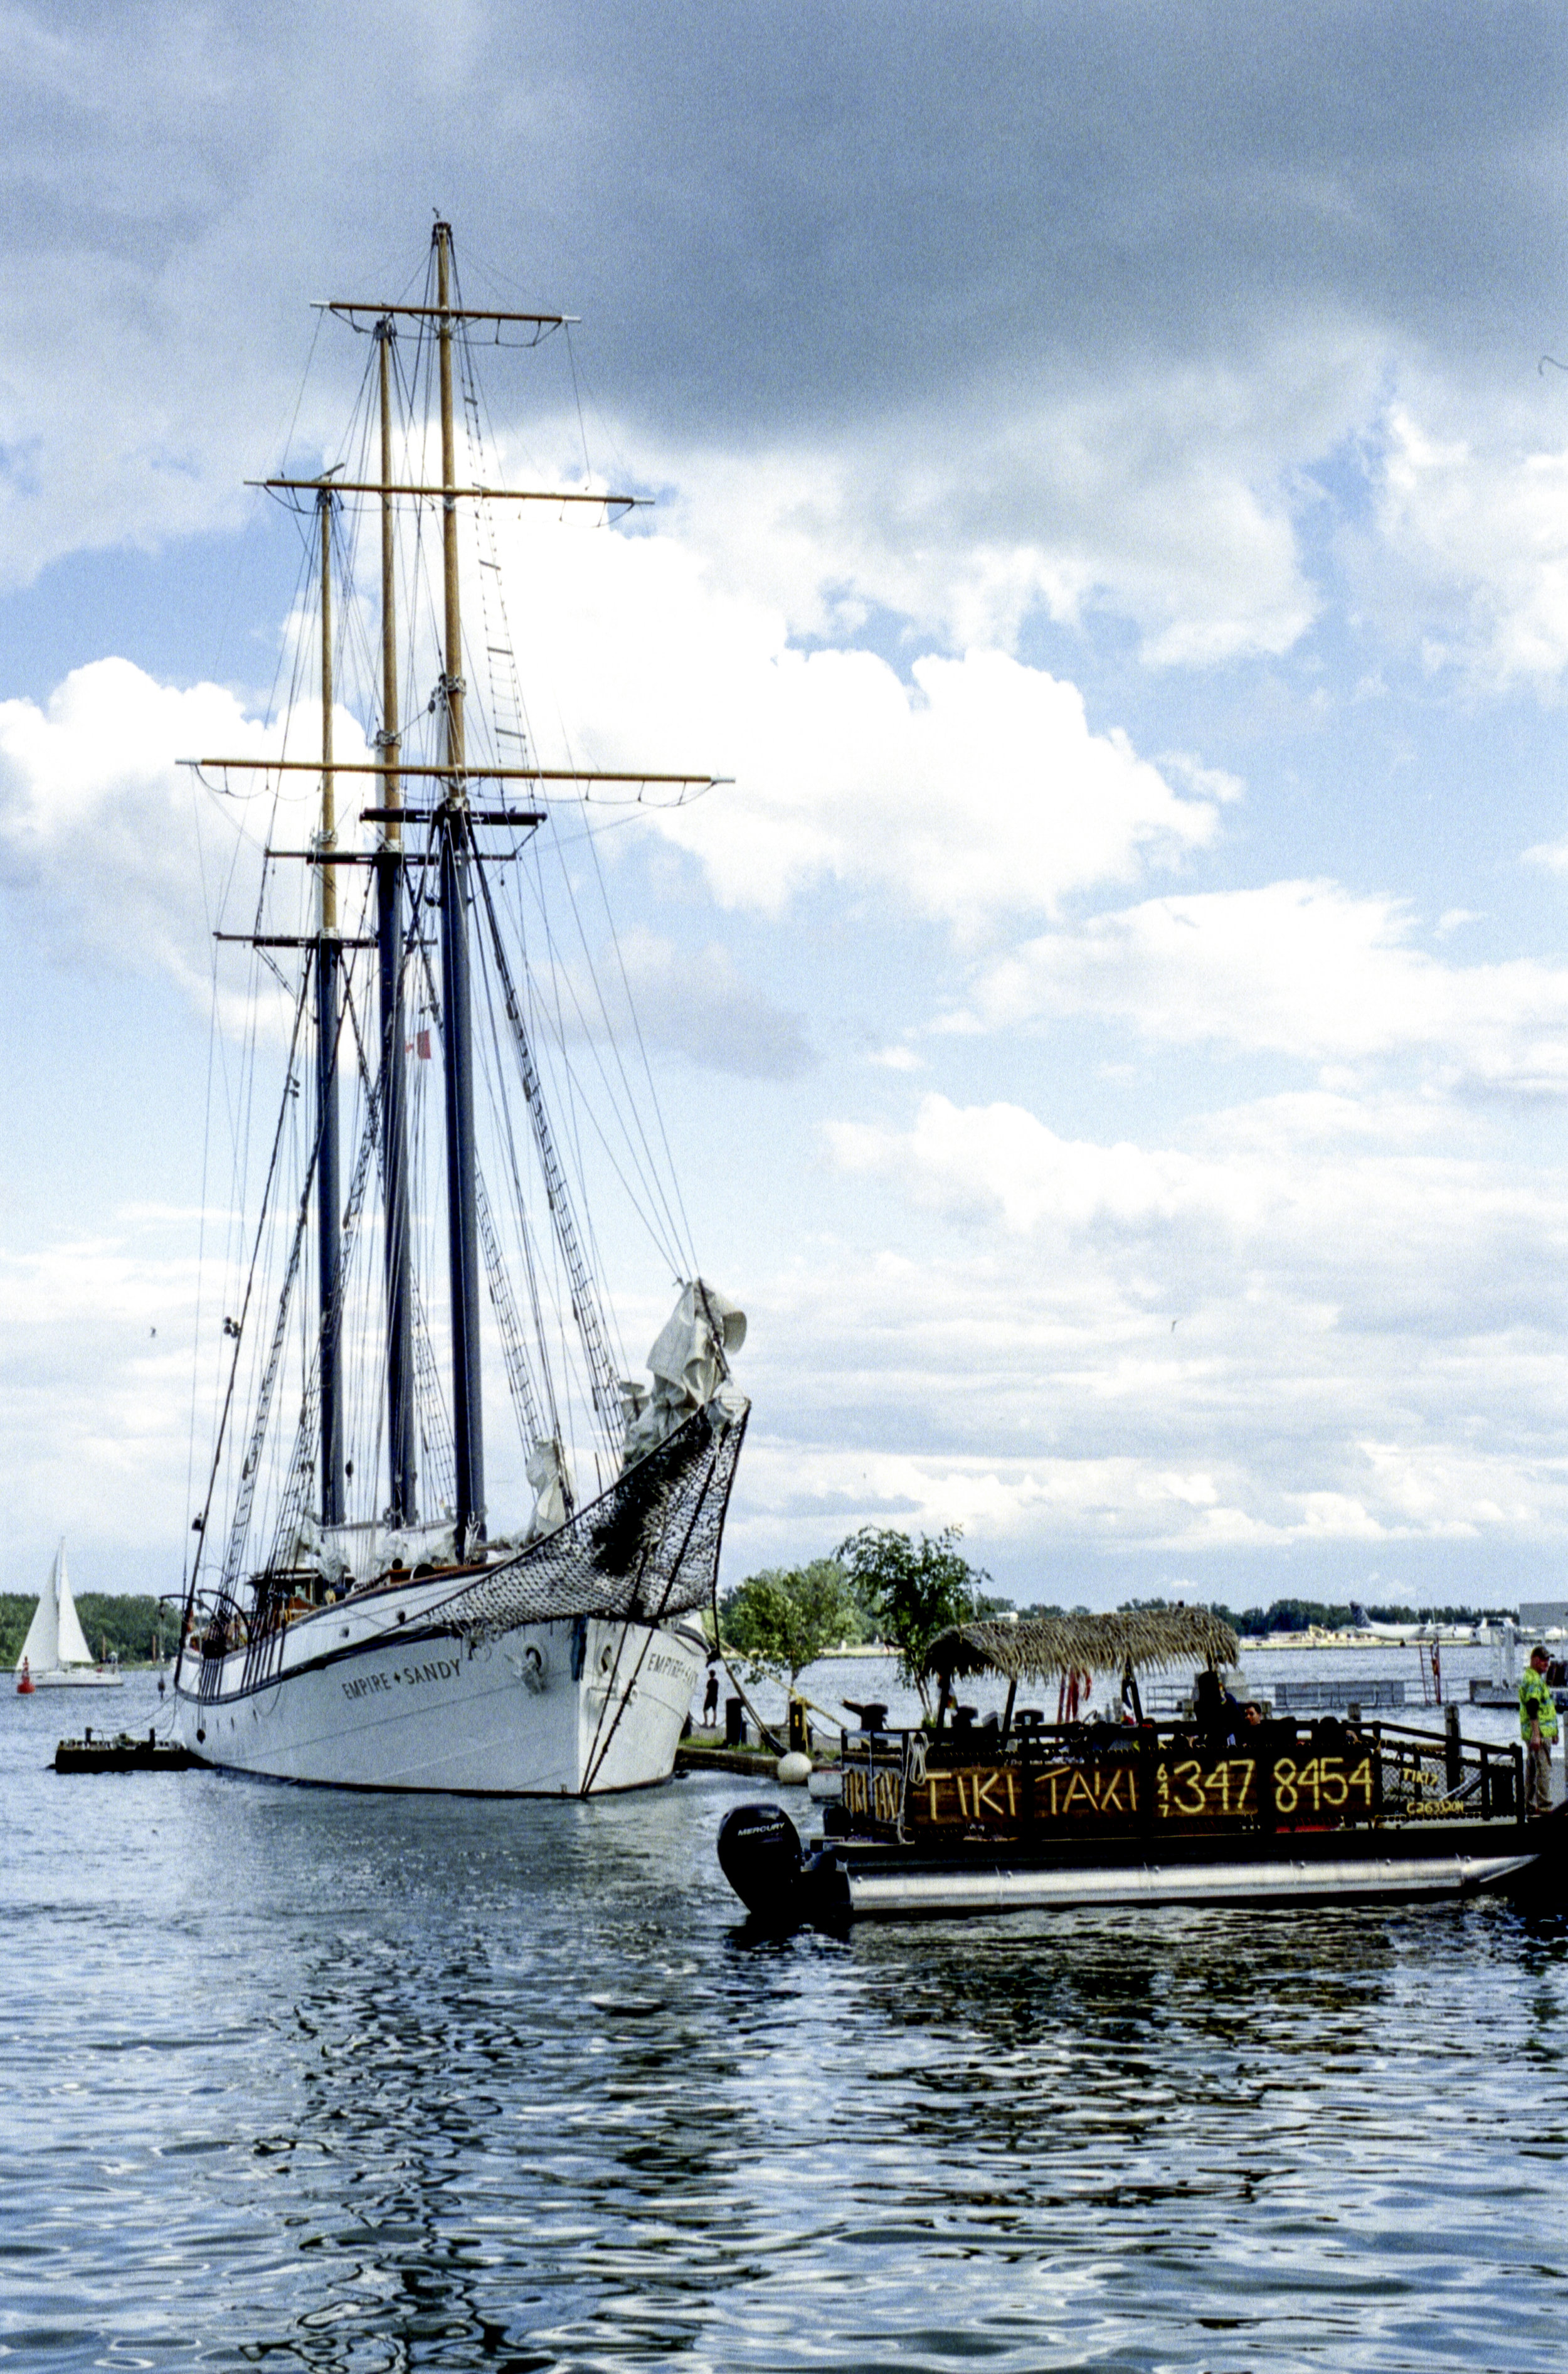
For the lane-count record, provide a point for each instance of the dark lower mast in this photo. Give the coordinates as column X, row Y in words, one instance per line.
column 401, row 1475
column 328, row 1008
column 468, row 1413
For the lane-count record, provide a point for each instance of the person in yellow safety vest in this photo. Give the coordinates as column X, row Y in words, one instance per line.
column 1537, row 1729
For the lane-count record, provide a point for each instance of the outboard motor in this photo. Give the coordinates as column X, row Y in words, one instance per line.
column 759, row 1851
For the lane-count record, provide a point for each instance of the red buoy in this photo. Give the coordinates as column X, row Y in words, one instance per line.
column 27, row 1685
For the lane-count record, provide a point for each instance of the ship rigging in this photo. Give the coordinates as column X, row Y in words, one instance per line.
column 355, row 1612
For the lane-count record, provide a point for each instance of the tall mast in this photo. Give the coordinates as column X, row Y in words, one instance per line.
column 328, row 990
column 468, row 1422
column 401, row 1477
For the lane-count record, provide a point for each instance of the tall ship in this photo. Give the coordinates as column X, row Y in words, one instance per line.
column 394, row 1583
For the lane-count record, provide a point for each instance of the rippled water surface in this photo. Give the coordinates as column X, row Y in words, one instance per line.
column 300, row 2080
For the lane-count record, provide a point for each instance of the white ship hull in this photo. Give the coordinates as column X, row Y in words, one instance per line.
column 63, row 1678
column 368, row 1698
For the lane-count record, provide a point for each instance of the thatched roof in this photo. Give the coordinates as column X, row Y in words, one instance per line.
column 1038, row 1648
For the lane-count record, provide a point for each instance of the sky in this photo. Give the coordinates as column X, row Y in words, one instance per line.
column 1111, row 525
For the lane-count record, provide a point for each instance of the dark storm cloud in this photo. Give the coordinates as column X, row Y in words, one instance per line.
column 784, row 215
column 791, row 214
column 986, row 242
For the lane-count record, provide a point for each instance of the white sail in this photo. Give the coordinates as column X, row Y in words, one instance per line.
column 71, row 1648
column 40, row 1650
column 55, row 1636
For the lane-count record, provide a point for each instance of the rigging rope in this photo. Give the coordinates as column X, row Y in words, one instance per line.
column 584, row 1294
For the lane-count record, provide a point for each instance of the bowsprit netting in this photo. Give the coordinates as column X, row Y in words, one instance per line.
column 644, row 1549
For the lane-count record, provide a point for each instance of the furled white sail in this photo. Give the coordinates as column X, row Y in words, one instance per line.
column 55, row 1636
column 688, row 1363
column 551, row 1477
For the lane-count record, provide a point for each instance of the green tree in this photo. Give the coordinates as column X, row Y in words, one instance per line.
column 783, row 1619
column 918, row 1589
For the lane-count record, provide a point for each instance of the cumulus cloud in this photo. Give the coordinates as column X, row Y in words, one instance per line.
column 1342, row 1202
column 118, row 849
column 1363, row 1347
column 1469, row 554
column 1167, row 499
column 1304, row 970
column 940, row 390
column 694, row 1003
column 96, row 1399
column 974, row 790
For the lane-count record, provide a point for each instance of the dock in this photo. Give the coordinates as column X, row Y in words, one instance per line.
column 757, row 1763
column 1335, row 1696
column 123, row 1753
column 1506, row 1694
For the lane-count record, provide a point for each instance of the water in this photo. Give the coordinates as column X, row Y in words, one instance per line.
column 295, row 2080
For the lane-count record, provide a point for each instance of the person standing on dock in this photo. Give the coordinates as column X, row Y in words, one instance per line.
column 1538, row 1728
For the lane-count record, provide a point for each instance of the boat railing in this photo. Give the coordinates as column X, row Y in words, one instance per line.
column 227, row 1629
column 1423, row 1776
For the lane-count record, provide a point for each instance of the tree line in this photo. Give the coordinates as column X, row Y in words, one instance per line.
column 1332, row 1615
column 124, row 1625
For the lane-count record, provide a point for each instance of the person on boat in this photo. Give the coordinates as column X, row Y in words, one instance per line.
column 1217, row 1712
column 1538, row 1728
column 711, row 1695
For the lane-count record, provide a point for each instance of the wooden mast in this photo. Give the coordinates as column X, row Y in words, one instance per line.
column 328, row 997
column 468, row 1424
column 402, row 1472
column 449, row 502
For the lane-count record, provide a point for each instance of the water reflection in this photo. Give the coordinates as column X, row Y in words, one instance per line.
column 358, row 2084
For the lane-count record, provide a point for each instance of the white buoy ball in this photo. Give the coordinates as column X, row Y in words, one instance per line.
column 794, row 1770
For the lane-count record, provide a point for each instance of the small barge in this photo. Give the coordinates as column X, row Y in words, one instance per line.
column 1227, row 1806
column 124, row 1753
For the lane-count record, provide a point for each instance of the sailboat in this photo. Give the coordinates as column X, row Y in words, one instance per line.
column 365, row 1605
column 55, row 1655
